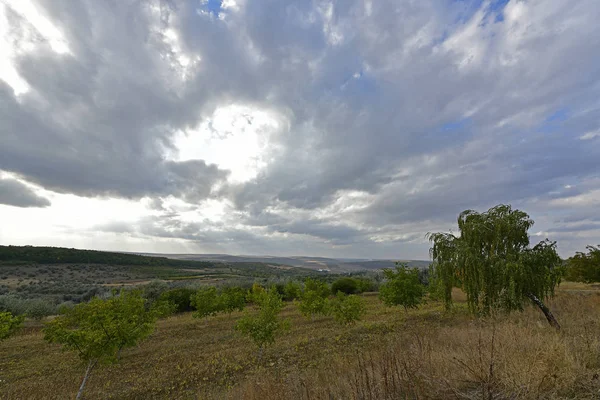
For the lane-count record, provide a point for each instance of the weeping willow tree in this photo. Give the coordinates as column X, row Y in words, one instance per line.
column 492, row 262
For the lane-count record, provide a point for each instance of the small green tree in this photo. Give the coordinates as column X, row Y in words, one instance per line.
column 491, row 261
column 99, row 329
column 264, row 327
column 402, row 288
column 292, row 291
column 345, row 285
column 179, row 297
column 9, row 324
column 365, row 285
column 347, row 309
column 313, row 300
column 232, row 298
column 206, row 301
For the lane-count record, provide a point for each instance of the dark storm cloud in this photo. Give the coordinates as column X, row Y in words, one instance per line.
column 15, row 193
column 423, row 108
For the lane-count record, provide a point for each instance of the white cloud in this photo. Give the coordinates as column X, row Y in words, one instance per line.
column 236, row 138
column 332, row 128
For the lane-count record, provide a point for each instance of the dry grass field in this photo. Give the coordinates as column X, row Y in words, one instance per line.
column 391, row 354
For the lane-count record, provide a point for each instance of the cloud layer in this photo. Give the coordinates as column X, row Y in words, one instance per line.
column 362, row 125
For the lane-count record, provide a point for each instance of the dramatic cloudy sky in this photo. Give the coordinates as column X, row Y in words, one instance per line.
column 295, row 127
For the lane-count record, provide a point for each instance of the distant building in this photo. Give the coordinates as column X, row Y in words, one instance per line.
column 323, row 270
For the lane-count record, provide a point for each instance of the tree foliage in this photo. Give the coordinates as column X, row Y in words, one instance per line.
column 584, row 267
column 9, row 324
column 345, row 285
column 206, row 301
column 402, row 287
column 181, row 298
column 232, row 298
column 313, row 300
column 99, row 329
column 492, row 262
column 347, row 309
column 292, row 291
column 61, row 255
column 263, row 328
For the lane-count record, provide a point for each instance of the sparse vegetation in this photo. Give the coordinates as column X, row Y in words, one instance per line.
column 206, row 302
column 347, row 309
column 9, row 324
column 313, row 300
column 266, row 325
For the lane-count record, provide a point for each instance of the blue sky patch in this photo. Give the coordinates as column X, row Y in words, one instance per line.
column 213, row 6
column 455, row 125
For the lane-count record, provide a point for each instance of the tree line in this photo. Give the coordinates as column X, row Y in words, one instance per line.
column 61, row 255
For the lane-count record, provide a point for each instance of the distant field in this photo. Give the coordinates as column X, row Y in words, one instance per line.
column 64, row 282
column 422, row 354
column 58, row 274
column 333, row 264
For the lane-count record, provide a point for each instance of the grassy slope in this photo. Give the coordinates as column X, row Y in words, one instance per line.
column 391, row 354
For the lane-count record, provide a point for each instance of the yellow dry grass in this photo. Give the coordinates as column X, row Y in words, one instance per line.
column 422, row 354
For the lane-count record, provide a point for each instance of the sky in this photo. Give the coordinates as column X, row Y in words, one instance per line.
column 295, row 127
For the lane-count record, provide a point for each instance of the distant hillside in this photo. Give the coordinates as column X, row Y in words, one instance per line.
column 315, row 263
column 61, row 255
column 11, row 255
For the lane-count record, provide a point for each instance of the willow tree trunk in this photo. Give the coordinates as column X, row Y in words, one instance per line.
column 90, row 366
column 551, row 320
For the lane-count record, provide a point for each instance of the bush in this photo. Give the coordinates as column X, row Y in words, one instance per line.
column 181, row 298
column 402, row 287
column 292, row 291
column 38, row 309
column 365, row 285
column 313, row 300
column 345, row 285
column 232, row 298
column 9, row 324
column 33, row 308
column 206, row 302
column 264, row 327
column 154, row 290
column 347, row 309
column 13, row 304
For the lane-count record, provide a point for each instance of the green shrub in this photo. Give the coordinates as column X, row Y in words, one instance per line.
column 206, row 301
column 154, row 290
column 232, row 298
column 99, row 329
column 32, row 308
column 313, row 300
column 9, row 324
column 264, row 327
column 292, row 291
column 345, row 285
column 402, row 287
column 38, row 309
column 181, row 298
column 347, row 309
column 365, row 285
